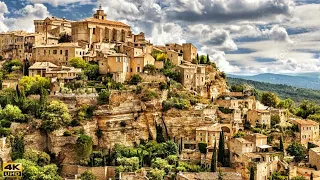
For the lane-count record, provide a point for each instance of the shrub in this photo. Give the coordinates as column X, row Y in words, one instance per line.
column 177, row 103
column 99, row 133
column 297, row 150
column 239, row 135
column 135, row 79
column 163, row 86
column 202, row 147
column 4, row 132
column 67, row 133
column 275, row 119
column 149, row 95
column 83, row 147
column 150, row 68
column 104, row 96
column 226, row 110
column 123, row 124
column 88, row 175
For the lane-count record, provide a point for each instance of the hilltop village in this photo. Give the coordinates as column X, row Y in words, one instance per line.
column 91, row 100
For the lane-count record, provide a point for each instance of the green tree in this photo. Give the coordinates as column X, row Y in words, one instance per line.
column 286, row 104
column 17, row 147
column 156, row 174
column 33, row 85
column 135, row 79
column 275, row 119
column 11, row 113
column 78, row 62
column 251, row 173
column 281, row 147
column 88, row 175
column 56, row 115
column 307, row 108
column 159, row 138
column 239, row 134
column 92, row 71
column 208, row 59
column 311, row 176
column 104, row 96
column 12, row 65
column 83, row 148
column 269, row 99
column 221, row 152
column 297, row 150
column 202, row 59
column 202, row 146
column 161, row 57
column 299, row 178
column 38, row 157
column 150, row 68
column 170, row 148
column 213, row 167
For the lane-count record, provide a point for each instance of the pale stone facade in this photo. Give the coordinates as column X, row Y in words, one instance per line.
column 139, row 62
column 208, row 134
column 189, row 52
column 19, row 44
column 314, row 157
column 116, row 64
column 262, row 117
column 59, row 54
column 192, row 76
column 99, row 29
column 308, row 131
column 53, row 25
column 175, row 57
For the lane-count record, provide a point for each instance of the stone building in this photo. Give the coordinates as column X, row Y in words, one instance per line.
column 236, row 101
column 53, row 25
column 308, row 131
column 189, row 52
column 192, row 76
column 19, row 44
column 257, row 116
column 174, row 47
column 238, row 147
column 116, row 64
column 139, row 62
column 59, row 54
column 61, row 74
column 208, row 134
column 175, row 57
column 99, row 29
column 314, row 157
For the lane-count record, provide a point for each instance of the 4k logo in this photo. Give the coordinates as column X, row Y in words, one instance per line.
column 12, row 170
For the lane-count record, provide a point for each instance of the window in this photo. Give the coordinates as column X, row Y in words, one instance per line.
column 94, row 31
column 60, row 51
column 44, row 52
column 130, row 69
column 118, row 59
column 138, row 69
column 55, row 51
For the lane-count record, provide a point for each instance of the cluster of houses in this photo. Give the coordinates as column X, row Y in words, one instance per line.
column 110, row 44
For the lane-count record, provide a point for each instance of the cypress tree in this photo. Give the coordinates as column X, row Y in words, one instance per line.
column 311, row 176
column 281, row 144
column 251, row 173
column 208, row 59
column 221, row 149
column 214, row 157
column 197, row 58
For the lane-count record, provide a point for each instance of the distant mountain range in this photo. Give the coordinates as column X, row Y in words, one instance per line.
column 283, row 91
column 303, row 80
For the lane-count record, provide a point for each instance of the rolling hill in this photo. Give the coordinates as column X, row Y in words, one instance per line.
column 283, row 91
column 306, row 80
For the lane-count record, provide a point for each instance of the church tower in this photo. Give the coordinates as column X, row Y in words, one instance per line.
column 100, row 14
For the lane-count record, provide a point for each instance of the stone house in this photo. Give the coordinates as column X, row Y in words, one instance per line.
column 116, row 64
column 189, row 52
column 19, row 44
column 314, row 157
column 308, row 130
column 99, row 29
column 53, row 25
column 262, row 117
column 175, row 57
column 192, row 76
column 257, row 139
column 61, row 74
column 208, row 134
column 139, row 62
column 236, row 102
column 174, row 47
column 59, row 54
column 283, row 115
column 238, row 147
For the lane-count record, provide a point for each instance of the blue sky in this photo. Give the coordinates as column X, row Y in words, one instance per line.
column 241, row 36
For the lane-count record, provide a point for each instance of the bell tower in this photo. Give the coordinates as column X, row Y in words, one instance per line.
column 100, row 14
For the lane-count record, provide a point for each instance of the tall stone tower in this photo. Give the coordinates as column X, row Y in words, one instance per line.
column 100, row 14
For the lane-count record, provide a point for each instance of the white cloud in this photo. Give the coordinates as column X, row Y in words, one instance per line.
column 3, row 10
column 167, row 33
column 62, row 2
column 27, row 15
column 277, row 33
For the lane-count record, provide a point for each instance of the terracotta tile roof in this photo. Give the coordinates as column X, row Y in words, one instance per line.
column 107, row 22
column 305, row 122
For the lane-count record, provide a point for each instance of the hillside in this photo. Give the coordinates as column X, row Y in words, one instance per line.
column 283, row 91
column 310, row 80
